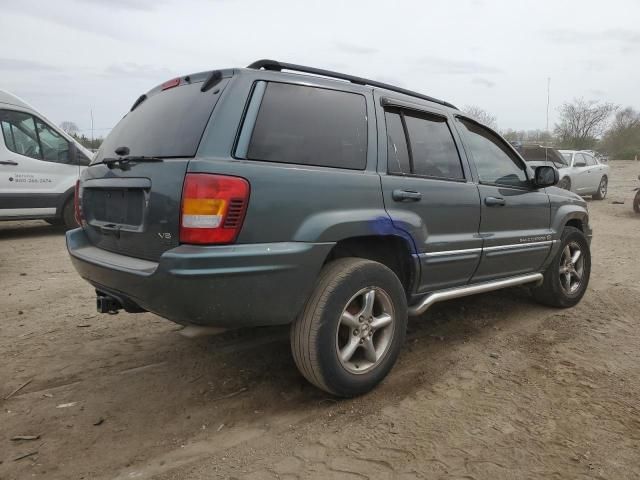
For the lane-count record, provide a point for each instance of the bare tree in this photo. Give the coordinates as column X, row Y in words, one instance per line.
column 530, row 136
column 481, row 115
column 582, row 122
column 622, row 140
column 625, row 119
column 69, row 127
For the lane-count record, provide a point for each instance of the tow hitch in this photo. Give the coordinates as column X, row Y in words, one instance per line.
column 106, row 304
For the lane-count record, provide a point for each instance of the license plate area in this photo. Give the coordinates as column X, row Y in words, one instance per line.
column 116, row 208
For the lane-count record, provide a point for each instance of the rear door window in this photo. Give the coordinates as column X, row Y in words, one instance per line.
column 310, row 126
column 430, row 150
column 433, row 150
column 397, row 153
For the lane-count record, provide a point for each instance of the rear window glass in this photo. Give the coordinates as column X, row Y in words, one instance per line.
column 169, row 123
column 310, row 126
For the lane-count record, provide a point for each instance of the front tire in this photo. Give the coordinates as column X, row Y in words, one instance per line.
column 636, row 202
column 602, row 189
column 567, row 277
column 352, row 328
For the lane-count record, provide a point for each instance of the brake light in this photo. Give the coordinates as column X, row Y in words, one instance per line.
column 77, row 205
column 213, row 208
column 174, row 82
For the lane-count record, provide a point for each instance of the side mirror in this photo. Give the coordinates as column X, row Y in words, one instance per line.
column 546, row 176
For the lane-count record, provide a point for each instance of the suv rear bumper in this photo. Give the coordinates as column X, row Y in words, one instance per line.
column 227, row 286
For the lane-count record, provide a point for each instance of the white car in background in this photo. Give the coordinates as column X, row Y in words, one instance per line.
column 39, row 165
column 584, row 175
column 579, row 171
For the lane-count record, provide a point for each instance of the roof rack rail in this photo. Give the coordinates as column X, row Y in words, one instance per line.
column 279, row 66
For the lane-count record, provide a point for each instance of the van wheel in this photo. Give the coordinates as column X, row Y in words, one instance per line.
column 602, row 189
column 69, row 215
column 567, row 277
column 352, row 328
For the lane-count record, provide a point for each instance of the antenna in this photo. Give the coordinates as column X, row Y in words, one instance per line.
column 548, row 100
column 546, row 150
column 91, row 112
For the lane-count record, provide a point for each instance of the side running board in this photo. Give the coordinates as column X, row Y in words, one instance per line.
column 451, row 293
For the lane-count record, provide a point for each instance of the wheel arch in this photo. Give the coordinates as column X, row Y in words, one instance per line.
column 568, row 215
column 575, row 222
column 393, row 251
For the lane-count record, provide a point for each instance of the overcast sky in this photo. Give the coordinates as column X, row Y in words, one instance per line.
column 66, row 57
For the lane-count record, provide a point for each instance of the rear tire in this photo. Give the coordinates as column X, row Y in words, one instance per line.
column 352, row 328
column 636, row 202
column 602, row 189
column 69, row 215
column 567, row 277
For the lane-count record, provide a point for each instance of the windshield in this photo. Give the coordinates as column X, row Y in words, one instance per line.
column 167, row 124
column 567, row 157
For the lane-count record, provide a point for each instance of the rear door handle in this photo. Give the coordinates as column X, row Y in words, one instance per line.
column 406, row 196
column 8, row 162
column 494, row 201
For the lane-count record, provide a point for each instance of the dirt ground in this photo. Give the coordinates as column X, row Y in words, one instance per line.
column 488, row 387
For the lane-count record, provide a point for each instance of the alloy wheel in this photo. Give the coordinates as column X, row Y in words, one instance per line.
column 365, row 330
column 571, row 268
column 603, row 188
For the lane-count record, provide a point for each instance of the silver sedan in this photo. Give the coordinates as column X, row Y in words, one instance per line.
column 584, row 174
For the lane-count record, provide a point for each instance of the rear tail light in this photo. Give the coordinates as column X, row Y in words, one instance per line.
column 77, row 204
column 213, row 208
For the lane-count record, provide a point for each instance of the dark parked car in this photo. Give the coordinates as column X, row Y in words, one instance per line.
column 333, row 203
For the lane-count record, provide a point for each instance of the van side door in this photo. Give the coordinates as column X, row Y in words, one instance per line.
column 428, row 192
column 516, row 216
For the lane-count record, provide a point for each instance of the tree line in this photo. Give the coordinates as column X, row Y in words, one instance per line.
column 72, row 129
column 582, row 125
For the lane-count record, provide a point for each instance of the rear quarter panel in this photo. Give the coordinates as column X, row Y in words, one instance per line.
column 290, row 202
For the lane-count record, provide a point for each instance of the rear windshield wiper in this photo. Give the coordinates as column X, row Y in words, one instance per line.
column 124, row 161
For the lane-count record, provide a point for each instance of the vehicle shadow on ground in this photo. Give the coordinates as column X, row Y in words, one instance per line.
column 15, row 230
column 252, row 369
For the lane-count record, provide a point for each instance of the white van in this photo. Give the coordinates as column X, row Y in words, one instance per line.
column 39, row 165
